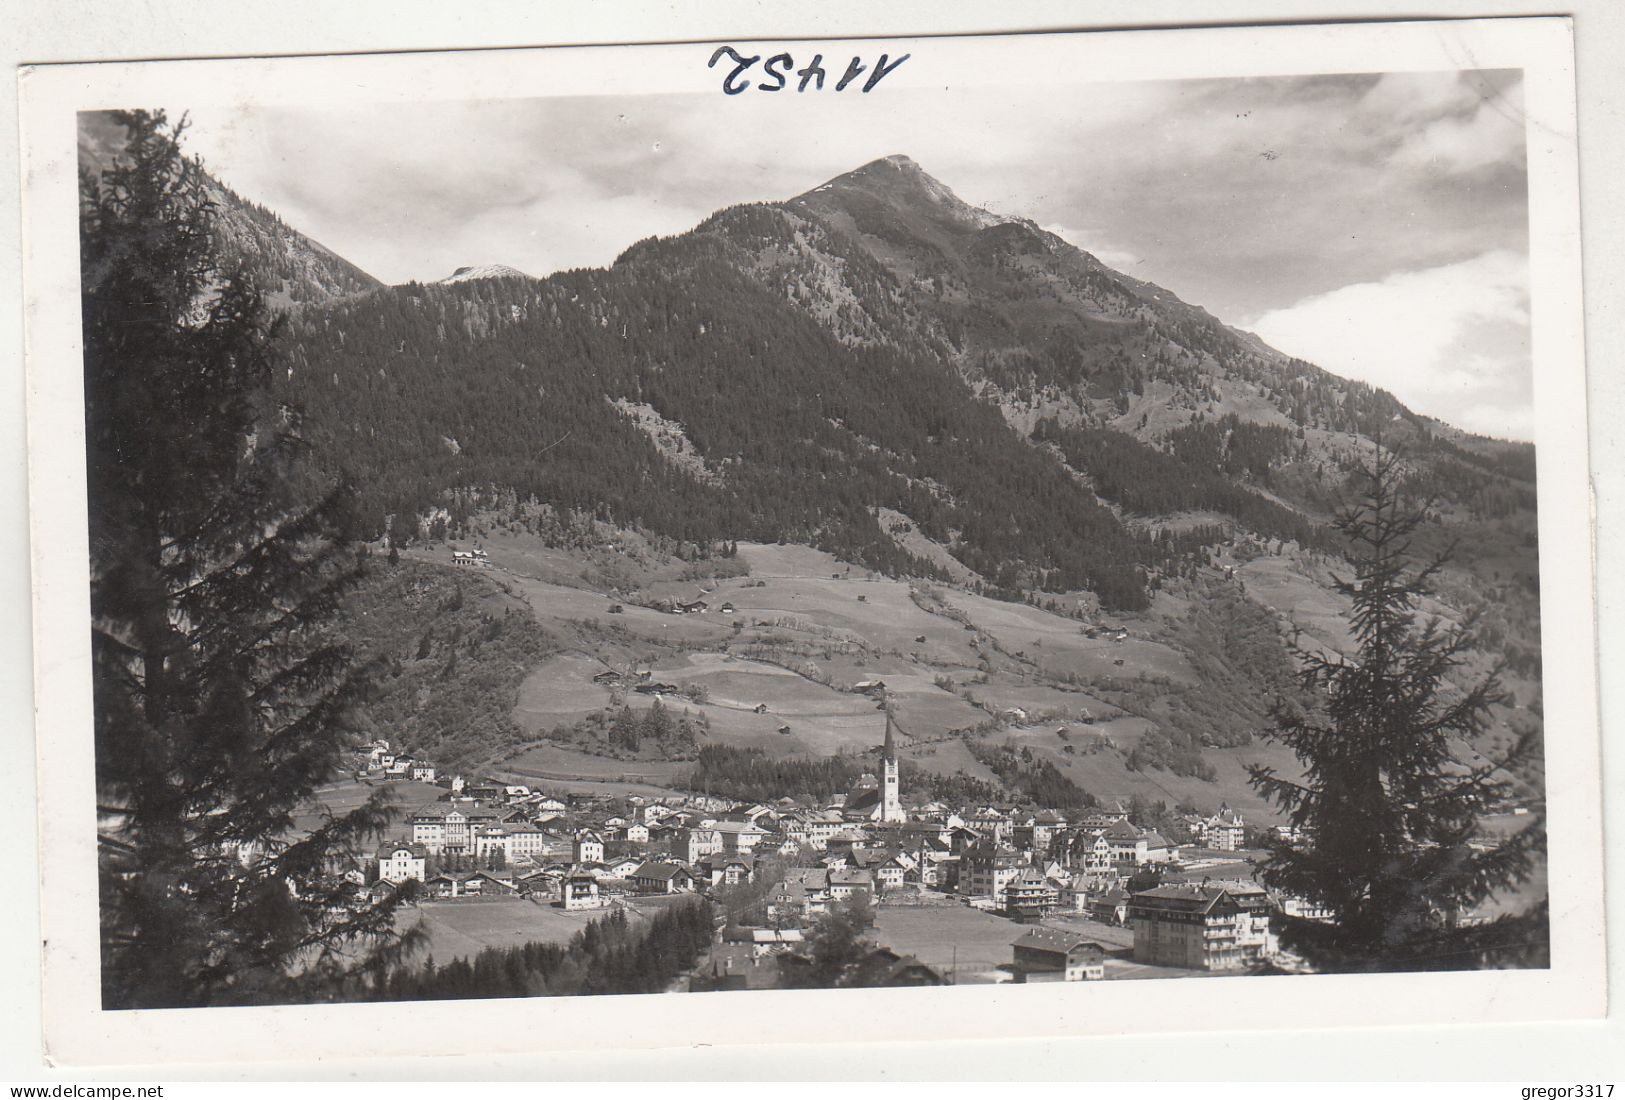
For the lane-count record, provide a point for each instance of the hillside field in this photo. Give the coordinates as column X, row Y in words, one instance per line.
column 806, row 628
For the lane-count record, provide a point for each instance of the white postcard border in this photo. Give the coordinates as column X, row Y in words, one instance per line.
column 78, row 1032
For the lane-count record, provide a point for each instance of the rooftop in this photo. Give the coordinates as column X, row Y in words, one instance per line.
column 1201, row 896
column 417, row 851
column 1044, row 938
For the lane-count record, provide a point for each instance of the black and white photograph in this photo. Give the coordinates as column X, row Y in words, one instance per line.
column 820, row 525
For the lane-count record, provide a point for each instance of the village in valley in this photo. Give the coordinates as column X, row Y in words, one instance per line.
column 948, row 889
column 547, row 837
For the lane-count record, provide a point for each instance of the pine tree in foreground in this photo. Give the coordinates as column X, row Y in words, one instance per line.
column 1389, row 813
column 222, row 700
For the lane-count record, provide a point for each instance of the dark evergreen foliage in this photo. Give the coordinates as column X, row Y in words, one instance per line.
column 1391, row 814
column 222, row 696
column 524, row 384
column 655, row 733
column 1176, row 747
column 754, row 775
column 1196, row 474
column 1030, row 777
column 610, row 955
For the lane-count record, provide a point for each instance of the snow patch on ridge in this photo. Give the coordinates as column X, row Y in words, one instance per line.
column 484, row 271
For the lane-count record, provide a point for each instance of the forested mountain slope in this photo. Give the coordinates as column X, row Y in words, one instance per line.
column 875, row 343
column 529, row 384
column 884, row 372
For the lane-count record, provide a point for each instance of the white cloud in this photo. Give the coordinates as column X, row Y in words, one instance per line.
column 1454, row 122
column 1405, row 97
column 1491, row 135
column 1450, row 341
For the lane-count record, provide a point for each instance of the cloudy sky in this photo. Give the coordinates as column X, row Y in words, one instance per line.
column 1376, row 225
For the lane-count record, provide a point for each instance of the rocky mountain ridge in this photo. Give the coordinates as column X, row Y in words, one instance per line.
column 292, row 270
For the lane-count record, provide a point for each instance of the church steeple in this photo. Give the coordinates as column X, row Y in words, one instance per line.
column 891, row 801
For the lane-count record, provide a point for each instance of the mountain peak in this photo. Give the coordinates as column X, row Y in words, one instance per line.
column 888, row 171
column 898, row 181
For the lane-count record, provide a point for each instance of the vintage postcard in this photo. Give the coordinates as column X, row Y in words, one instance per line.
column 750, row 541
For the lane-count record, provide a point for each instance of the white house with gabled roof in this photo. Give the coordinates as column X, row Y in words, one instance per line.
column 398, row 862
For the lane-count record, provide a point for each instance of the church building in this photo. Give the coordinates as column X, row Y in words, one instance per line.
column 879, row 801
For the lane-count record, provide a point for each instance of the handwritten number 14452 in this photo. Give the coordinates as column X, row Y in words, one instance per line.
column 779, row 68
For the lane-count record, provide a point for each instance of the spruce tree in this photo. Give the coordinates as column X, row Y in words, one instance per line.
column 222, row 697
column 1388, row 808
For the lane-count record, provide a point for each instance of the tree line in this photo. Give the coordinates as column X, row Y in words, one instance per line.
column 655, row 733
column 1030, row 777
column 611, row 954
column 755, row 775
column 1191, row 476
